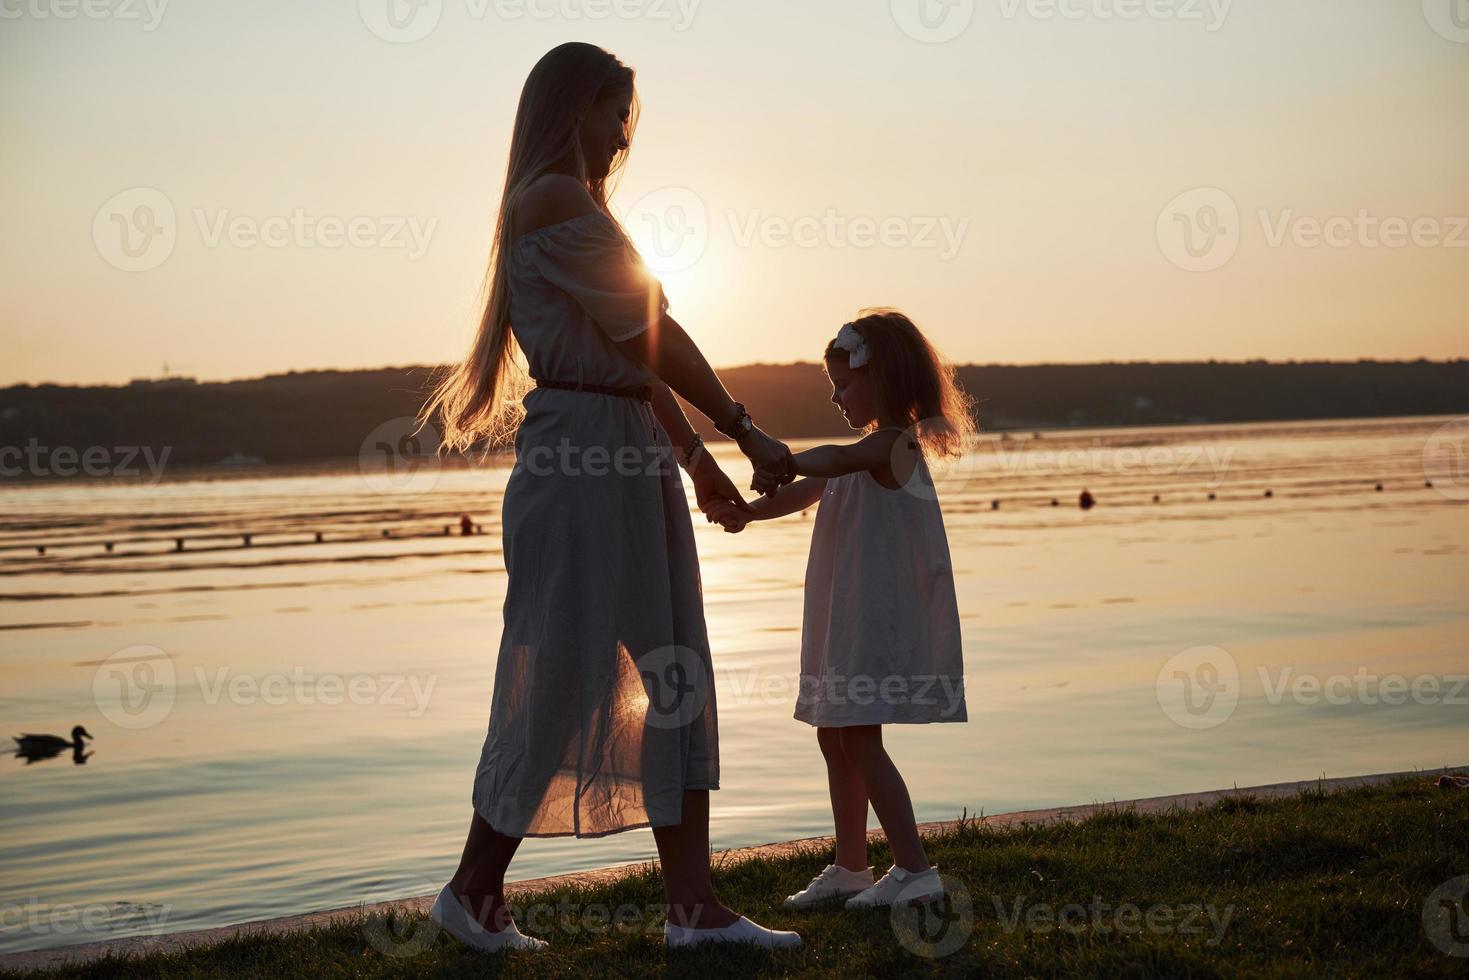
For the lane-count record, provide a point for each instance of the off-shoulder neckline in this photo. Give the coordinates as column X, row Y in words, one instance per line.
column 555, row 224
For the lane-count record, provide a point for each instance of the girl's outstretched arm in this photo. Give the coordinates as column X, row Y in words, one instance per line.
column 787, row 500
column 873, row 452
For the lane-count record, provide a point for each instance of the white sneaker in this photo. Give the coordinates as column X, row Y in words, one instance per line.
column 449, row 913
column 833, row 883
column 900, row 887
column 742, row 930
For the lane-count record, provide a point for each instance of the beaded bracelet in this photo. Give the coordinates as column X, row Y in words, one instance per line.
column 687, row 456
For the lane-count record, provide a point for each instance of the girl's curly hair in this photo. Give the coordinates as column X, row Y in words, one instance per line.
column 912, row 383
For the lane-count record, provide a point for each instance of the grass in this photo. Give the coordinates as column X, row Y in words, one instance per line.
column 1319, row 884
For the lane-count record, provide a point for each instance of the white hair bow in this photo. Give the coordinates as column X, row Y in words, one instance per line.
column 849, row 340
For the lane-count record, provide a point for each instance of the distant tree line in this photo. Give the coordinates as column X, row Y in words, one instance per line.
column 316, row 415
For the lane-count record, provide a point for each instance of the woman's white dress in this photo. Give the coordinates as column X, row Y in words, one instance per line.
column 603, row 709
column 880, row 641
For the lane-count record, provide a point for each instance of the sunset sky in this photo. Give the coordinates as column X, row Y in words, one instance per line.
column 1074, row 180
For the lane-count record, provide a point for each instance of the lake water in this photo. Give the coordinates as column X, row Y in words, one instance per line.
column 294, row 725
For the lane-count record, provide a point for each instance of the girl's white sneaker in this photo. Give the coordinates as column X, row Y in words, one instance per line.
column 450, row 914
column 833, row 883
column 742, row 930
column 900, row 886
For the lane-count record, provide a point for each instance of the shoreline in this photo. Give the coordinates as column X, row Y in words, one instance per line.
column 201, row 471
column 181, row 941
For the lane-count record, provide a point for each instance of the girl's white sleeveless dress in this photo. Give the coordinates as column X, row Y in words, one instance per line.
column 603, row 711
column 880, row 642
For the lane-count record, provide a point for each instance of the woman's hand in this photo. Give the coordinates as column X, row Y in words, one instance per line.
column 711, row 486
column 728, row 516
column 771, row 459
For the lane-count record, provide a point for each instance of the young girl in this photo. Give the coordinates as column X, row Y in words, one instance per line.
column 880, row 643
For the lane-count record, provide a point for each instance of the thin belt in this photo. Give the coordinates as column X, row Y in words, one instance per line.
column 640, row 392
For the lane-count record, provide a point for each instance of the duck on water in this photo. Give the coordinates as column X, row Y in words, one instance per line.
column 37, row 747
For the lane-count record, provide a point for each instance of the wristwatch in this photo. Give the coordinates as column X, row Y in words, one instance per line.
column 741, row 425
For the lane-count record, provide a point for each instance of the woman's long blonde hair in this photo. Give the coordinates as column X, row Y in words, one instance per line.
column 478, row 399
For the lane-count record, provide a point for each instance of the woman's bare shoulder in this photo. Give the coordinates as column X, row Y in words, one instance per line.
column 549, row 200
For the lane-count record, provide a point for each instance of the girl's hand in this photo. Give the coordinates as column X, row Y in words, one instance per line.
column 771, row 459
column 724, row 513
column 712, row 486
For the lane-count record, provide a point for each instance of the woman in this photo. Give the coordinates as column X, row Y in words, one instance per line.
column 603, row 714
